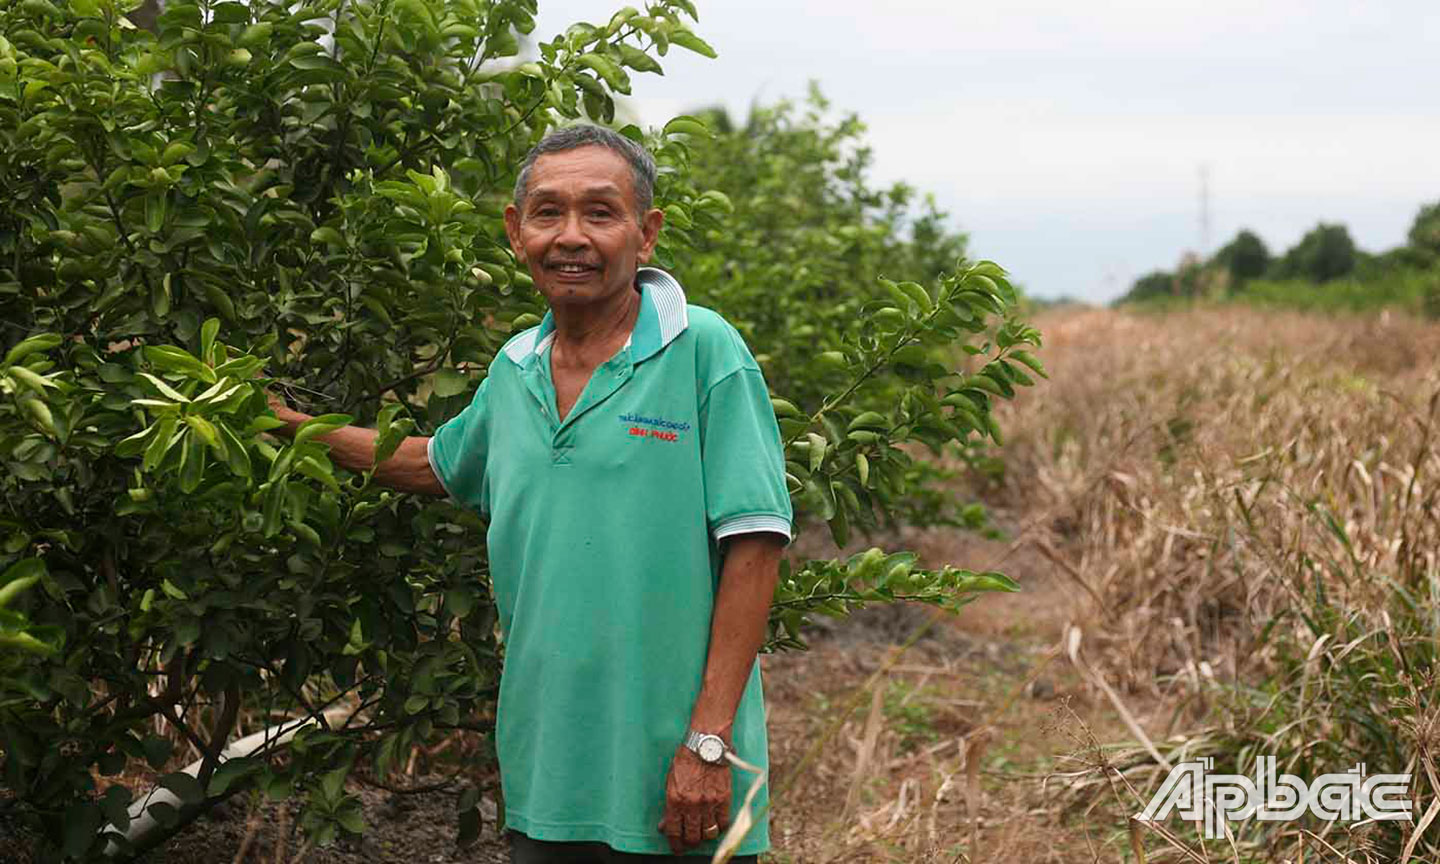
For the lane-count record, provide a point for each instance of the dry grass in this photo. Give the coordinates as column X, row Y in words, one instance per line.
column 1251, row 501
column 1192, row 503
column 1211, row 433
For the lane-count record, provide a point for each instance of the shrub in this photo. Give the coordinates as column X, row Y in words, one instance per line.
column 240, row 193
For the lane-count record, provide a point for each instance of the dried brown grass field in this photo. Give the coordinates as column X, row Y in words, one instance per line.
column 1227, row 525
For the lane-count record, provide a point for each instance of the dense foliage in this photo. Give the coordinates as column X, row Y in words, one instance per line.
column 1324, row 270
column 808, row 223
column 312, row 192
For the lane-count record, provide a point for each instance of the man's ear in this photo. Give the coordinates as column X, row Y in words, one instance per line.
column 512, row 231
column 650, row 225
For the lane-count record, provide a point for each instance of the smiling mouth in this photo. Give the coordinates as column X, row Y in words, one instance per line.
column 571, row 269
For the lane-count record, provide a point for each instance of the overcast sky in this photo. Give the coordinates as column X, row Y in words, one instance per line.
column 1067, row 138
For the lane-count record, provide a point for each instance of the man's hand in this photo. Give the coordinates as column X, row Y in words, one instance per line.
column 353, row 448
column 283, row 412
column 697, row 801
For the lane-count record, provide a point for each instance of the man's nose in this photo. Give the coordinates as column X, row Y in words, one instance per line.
column 572, row 234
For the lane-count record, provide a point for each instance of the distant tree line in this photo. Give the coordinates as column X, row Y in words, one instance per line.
column 1324, row 265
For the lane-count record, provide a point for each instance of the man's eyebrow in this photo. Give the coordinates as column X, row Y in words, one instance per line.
column 599, row 190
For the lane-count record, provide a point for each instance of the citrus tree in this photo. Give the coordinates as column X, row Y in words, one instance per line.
column 311, row 193
column 807, row 217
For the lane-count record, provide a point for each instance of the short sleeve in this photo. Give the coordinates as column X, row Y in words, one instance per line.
column 458, row 450
column 744, row 463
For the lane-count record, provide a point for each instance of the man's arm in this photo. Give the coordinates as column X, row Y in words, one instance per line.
column 697, row 795
column 352, row 448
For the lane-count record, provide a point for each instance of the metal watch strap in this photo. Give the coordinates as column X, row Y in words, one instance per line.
column 693, row 739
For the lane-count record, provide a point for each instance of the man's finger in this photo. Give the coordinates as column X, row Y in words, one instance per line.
column 670, row 827
column 694, row 831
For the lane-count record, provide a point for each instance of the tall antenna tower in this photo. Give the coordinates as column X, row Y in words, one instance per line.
column 1204, row 210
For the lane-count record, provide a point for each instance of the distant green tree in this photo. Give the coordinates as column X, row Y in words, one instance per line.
column 1244, row 258
column 1424, row 234
column 1326, row 252
column 1157, row 283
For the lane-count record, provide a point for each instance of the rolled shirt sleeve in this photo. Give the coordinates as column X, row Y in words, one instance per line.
column 744, row 463
column 458, row 451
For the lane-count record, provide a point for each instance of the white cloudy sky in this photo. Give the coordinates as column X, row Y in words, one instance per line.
column 1067, row 137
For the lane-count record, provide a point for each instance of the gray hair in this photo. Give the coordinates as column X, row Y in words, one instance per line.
column 642, row 164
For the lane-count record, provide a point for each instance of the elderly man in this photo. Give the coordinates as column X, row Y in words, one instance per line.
column 627, row 458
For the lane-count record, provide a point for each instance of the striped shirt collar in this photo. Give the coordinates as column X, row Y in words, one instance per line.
column 662, row 317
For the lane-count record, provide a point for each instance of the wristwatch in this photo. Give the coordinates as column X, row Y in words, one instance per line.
column 710, row 748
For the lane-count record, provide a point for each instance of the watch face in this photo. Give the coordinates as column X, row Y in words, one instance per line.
column 712, row 749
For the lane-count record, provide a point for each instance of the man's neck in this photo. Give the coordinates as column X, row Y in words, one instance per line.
column 589, row 335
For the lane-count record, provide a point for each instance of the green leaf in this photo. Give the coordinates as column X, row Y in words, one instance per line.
column 208, row 331
column 175, row 151
column 840, row 528
column 328, row 236
column 818, row 445
column 135, row 444
column 156, row 750
column 115, row 805
column 255, row 34
column 986, row 383
column 687, row 125
column 192, row 463
column 82, row 825
column 911, row 355
column 168, row 358
column 30, row 379
column 19, row 578
column 638, row 60
column 231, row 772
column 990, row 580
column 686, row 39
column 160, row 444
column 32, row 345
column 207, row 432
column 917, row 293
column 184, row 786
column 450, row 382
column 784, row 408
column 332, row 784
column 165, row 389
column 870, row 420
column 322, row 425
column 155, row 205
column 608, row 70
column 237, row 457
column 1029, row 360
column 351, row 819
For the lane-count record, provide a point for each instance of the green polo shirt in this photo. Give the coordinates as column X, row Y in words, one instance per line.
column 605, row 551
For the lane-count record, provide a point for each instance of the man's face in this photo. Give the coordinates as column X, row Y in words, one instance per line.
column 578, row 231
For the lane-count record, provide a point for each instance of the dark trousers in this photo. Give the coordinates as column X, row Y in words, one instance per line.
column 523, row 850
